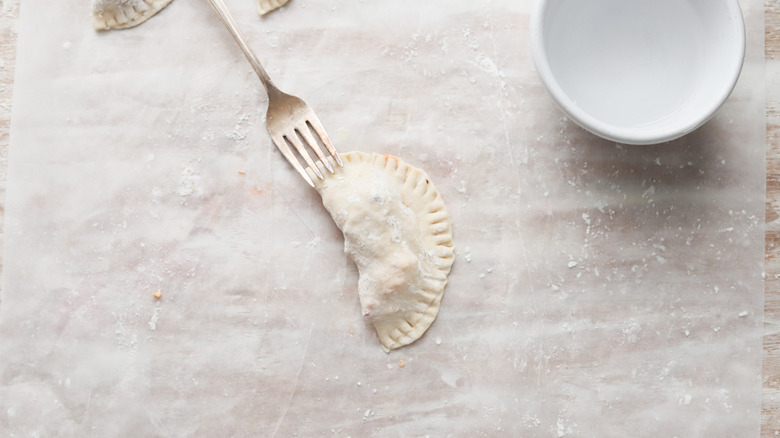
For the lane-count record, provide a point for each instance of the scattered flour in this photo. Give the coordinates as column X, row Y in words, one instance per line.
column 153, row 320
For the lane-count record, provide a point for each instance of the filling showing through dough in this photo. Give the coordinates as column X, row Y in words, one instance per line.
column 398, row 233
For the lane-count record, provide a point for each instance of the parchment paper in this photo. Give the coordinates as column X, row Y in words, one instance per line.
column 598, row 290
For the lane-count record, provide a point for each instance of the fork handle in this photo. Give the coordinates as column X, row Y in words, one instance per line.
column 235, row 32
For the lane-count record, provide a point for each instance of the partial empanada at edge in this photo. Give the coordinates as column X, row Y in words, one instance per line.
column 266, row 6
column 122, row 14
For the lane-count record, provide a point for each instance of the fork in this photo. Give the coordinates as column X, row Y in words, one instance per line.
column 290, row 121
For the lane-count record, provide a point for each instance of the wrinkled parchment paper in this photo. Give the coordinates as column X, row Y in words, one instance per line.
column 598, row 289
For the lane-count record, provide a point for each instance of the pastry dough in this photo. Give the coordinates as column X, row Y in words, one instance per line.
column 121, row 14
column 266, row 6
column 398, row 233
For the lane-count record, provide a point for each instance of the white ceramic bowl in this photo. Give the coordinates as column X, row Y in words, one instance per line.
column 638, row 71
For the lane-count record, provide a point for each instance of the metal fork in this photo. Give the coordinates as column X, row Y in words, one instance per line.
column 289, row 120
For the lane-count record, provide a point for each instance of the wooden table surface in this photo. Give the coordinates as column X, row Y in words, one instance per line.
column 771, row 374
column 771, row 363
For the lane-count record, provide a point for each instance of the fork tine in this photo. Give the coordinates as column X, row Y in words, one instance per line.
column 281, row 144
column 284, row 111
column 305, row 133
column 300, row 147
column 320, row 130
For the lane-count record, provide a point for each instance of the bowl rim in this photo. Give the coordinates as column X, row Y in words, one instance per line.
column 629, row 135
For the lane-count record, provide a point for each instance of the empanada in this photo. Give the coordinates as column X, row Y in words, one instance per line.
column 398, row 233
column 121, row 14
column 266, row 6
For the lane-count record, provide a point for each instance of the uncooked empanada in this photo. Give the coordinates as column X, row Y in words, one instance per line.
column 398, row 233
column 121, row 14
column 266, row 6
